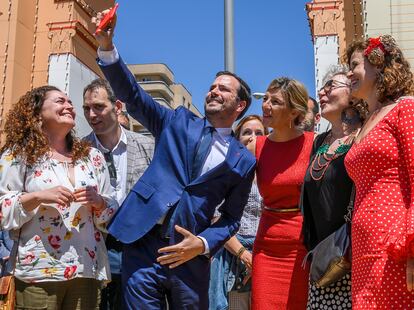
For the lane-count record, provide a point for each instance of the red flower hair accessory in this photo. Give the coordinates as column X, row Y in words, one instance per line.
column 375, row 52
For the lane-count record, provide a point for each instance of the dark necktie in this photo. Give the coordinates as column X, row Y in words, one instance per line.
column 109, row 158
column 202, row 151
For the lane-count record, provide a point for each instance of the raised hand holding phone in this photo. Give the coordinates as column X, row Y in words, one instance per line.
column 107, row 19
column 105, row 22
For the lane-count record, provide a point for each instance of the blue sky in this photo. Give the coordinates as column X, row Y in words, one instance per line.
column 272, row 39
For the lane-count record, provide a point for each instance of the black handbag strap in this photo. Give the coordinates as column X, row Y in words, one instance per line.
column 16, row 252
column 348, row 216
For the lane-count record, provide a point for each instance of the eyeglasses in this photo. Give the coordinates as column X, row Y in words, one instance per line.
column 329, row 86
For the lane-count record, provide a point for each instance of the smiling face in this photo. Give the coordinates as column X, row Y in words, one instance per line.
column 100, row 112
column 362, row 75
column 276, row 113
column 334, row 97
column 222, row 101
column 57, row 113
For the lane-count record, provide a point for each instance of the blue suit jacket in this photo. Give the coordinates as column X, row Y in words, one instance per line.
column 167, row 181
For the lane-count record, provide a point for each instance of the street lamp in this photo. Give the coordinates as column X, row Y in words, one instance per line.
column 258, row 95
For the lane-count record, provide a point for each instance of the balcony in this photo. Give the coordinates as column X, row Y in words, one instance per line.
column 159, row 87
column 152, row 70
column 163, row 102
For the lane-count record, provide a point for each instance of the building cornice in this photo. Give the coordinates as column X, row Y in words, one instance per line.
column 323, row 17
column 62, row 32
column 82, row 4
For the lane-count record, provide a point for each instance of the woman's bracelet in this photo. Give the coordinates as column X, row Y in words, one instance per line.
column 240, row 252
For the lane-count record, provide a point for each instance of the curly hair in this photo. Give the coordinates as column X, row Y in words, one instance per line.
column 361, row 107
column 244, row 120
column 24, row 135
column 394, row 78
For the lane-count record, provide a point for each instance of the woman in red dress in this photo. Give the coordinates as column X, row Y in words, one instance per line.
column 381, row 163
column 278, row 279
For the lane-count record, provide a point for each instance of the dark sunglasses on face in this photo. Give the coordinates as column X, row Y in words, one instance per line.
column 331, row 85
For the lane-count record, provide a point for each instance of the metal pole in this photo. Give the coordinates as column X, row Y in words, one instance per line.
column 228, row 36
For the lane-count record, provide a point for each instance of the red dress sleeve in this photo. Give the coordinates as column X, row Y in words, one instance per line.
column 399, row 241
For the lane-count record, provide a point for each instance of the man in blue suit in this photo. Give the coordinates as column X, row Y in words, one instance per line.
column 165, row 221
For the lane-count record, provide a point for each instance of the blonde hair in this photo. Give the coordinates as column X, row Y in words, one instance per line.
column 295, row 95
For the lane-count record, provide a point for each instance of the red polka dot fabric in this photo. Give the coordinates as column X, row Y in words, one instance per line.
column 382, row 167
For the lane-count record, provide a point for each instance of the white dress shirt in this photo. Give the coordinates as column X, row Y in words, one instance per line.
column 219, row 147
column 119, row 154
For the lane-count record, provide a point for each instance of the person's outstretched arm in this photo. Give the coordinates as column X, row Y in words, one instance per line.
column 139, row 104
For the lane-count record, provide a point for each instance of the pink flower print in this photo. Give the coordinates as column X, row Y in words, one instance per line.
column 7, row 202
column 97, row 236
column 37, row 238
column 28, row 258
column 37, row 173
column 83, row 167
column 54, row 241
column 69, row 272
column 91, row 253
column 62, row 207
column 97, row 161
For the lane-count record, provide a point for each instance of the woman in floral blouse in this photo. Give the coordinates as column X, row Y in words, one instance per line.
column 54, row 193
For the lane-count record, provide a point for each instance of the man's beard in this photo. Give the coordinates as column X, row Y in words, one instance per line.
column 212, row 110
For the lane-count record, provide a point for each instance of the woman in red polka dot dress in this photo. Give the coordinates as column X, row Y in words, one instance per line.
column 381, row 163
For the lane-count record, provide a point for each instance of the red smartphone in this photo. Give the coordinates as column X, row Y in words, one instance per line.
column 107, row 18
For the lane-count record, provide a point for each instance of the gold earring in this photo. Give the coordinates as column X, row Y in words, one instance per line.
column 290, row 124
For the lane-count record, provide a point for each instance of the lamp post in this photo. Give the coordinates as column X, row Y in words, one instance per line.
column 228, row 36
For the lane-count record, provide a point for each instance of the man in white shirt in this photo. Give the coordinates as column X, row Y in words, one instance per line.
column 127, row 154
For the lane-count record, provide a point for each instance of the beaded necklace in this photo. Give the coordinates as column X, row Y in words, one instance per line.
column 318, row 168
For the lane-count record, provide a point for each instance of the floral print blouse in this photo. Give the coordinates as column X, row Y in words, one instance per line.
column 57, row 243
